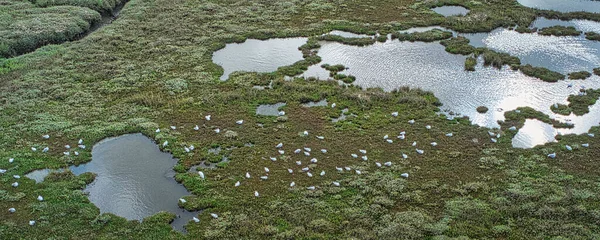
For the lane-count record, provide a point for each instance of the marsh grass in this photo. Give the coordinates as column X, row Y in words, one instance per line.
column 561, row 109
column 559, row 31
column 542, row 73
column 458, row 45
column 482, row 109
column 580, row 103
column 114, row 82
column 348, row 41
column 581, row 75
column 427, row 36
column 25, row 29
column 592, row 36
column 470, row 64
column 499, row 59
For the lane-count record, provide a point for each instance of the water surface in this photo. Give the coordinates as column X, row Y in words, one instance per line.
column 563, row 5
column 134, row 179
column 322, row 103
column 428, row 66
column 269, row 109
column 259, row 55
column 533, row 133
column 448, row 11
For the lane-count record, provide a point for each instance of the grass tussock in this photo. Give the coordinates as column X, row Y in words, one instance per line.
column 581, row 75
column 592, row 36
column 427, row 36
column 559, row 31
column 542, row 73
column 348, row 41
column 470, row 64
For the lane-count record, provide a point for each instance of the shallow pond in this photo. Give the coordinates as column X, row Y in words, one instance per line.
column 134, row 179
column 258, row 55
column 448, row 11
column 322, row 103
column 534, row 132
column 393, row 64
column 269, row 109
column 563, row 5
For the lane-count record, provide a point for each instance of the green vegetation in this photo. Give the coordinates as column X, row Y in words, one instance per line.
column 482, row 109
column 517, row 118
column 345, row 78
column 580, row 103
column 579, row 75
column 334, row 68
column 348, row 41
column 470, row 63
column 542, row 73
column 559, row 31
column 152, row 68
column 24, row 27
column 561, row 109
column 592, row 36
column 104, row 6
column 458, row 45
column 427, row 36
column 597, row 71
column 498, row 59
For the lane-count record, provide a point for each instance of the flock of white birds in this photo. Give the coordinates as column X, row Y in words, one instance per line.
column 309, row 168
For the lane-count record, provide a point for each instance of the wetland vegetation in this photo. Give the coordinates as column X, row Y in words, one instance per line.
column 559, row 31
column 152, row 72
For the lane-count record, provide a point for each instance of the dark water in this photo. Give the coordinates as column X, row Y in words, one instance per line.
column 448, row 11
column 563, row 5
column 134, row 179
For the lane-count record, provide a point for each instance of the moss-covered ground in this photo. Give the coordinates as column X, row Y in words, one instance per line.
column 152, row 69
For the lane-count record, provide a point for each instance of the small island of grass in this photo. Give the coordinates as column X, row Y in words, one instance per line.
column 592, row 36
column 559, row 31
column 581, row 75
column 542, row 73
column 482, row 109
